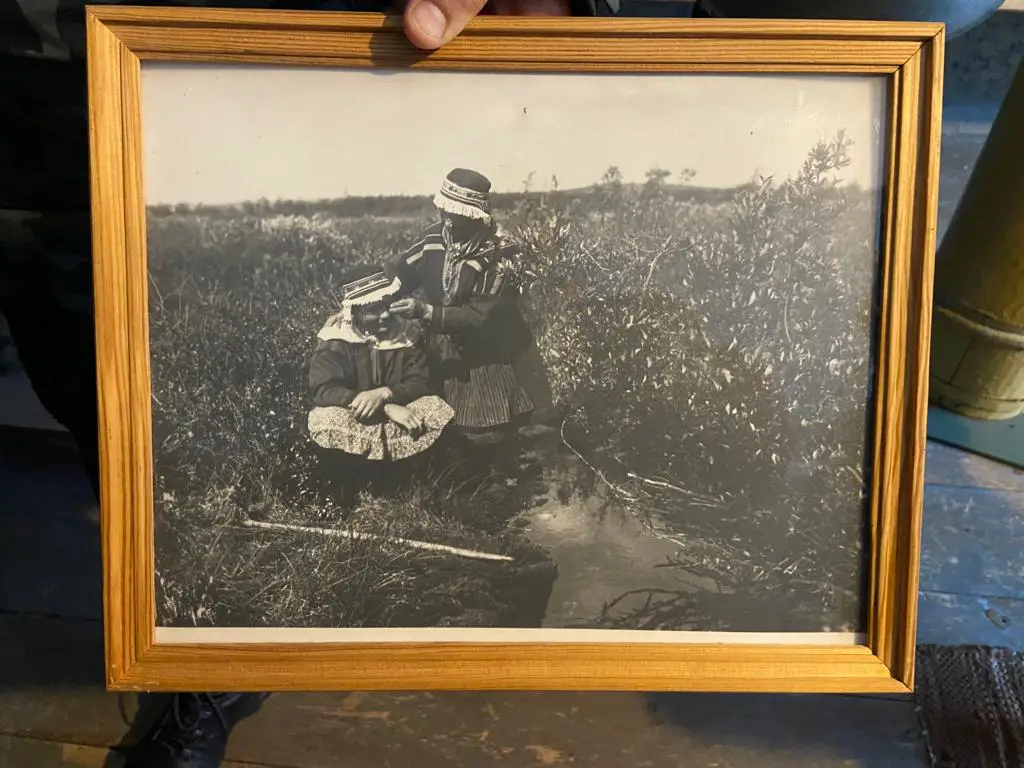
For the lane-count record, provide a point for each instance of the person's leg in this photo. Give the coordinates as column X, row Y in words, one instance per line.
column 491, row 452
column 192, row 730
column 339, row 475
column 533, row 377
column 705, row 9
column 46, row 298
column 47, row 337
column 51, row 326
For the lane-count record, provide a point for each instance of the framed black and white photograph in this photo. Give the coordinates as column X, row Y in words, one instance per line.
column 460, row 357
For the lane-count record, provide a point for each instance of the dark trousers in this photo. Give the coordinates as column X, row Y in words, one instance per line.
column 344, row 476
column 57, row 349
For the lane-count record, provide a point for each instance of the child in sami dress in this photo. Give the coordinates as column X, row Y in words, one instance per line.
column 370, row 389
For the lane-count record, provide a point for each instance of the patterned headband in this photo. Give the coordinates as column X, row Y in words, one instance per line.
column 465, row 195
column 462, row 201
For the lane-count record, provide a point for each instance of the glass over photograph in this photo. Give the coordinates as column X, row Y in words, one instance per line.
column 450, row 354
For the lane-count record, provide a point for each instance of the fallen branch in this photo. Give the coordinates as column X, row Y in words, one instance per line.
column 591, row 467
column 344, row 534
column 698, row 498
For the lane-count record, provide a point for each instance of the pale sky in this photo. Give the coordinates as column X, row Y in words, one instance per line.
column 227, row 133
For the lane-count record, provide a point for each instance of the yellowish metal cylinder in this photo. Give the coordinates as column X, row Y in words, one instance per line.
column 977, row 355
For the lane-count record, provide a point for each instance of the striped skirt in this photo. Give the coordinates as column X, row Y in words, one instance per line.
column 487, row 396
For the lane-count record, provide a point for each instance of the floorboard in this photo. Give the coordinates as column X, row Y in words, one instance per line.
column 971, row 542
column 18, row 752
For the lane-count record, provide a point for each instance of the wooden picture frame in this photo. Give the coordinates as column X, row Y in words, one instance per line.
column 910, row 56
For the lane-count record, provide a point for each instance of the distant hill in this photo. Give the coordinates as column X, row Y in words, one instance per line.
column 398, row 206
column 406, row 206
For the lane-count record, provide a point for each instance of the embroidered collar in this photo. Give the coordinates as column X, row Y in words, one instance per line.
column 340, row 328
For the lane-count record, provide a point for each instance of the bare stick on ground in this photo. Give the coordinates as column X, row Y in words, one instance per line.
column 344, row 534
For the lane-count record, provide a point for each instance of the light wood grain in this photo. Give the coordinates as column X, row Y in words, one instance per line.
column 731, row 30
column 496, row 43
column 537, row 66
column 902, row 404
column 371, row 48
column 909, row 55
column 506, row 667
column 922, row 252
column 885, row 435
column 143, row 618
column 893, row 350
column 107, row 61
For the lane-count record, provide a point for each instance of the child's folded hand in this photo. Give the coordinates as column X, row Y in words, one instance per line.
column 366, row 404
column 405, row 418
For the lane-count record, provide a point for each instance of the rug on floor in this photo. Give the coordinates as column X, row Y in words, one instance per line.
column 971, row 704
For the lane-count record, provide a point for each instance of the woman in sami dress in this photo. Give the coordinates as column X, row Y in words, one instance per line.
column 460, row 281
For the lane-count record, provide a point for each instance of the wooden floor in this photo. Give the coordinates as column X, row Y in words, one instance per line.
column 53, row 711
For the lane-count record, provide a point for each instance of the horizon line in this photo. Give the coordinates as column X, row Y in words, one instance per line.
column 695, row 188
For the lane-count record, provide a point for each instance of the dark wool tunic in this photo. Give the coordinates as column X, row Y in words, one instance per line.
column 476, row 332
column 339, row 370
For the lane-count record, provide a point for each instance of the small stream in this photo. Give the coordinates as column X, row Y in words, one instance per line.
column 613, row 573
column 602, row 551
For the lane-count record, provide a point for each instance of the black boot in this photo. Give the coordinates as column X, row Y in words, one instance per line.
column 192, row 731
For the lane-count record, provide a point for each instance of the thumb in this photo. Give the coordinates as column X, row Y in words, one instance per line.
column 432, row 23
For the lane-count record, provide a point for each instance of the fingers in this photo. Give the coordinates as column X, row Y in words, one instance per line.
column 408, row 307
column 366, row 405
column 401, row 307
column 362, row 407
column 430, row 24
column 410, row 422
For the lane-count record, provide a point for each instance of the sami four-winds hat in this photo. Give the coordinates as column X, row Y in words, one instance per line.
column 364, row 287
column 465, row 193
